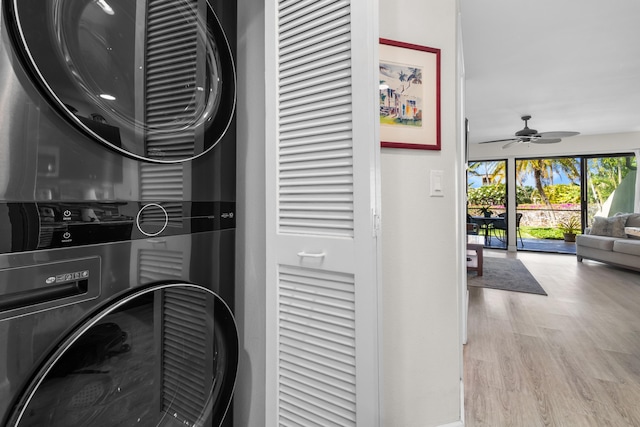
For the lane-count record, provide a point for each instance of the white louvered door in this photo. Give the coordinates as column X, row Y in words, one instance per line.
column 321, row 165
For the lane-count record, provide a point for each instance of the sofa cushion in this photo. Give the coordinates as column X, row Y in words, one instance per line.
column 604, row 243
column 613, row 226
column 632, row 232
column 628, row 246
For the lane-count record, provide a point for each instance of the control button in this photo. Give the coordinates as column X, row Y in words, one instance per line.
column 152, row 219
column 66, row 235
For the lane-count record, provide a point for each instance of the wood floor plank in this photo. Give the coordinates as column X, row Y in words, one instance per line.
column 571, row 358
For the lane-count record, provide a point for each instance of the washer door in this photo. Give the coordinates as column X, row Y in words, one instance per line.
column 165, row 355
column 153, row 79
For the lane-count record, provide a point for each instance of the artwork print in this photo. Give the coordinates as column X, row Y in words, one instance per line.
column 409, row 96
column 401, row 94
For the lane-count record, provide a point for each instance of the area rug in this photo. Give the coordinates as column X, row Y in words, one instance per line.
column 507, row 274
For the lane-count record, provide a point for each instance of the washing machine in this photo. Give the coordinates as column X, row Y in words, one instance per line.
column 117, row 212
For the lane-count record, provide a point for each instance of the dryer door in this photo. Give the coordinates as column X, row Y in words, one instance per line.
column 153, row 79
column 165, row 355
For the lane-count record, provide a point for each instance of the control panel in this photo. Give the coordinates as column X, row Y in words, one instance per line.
column 28, row 226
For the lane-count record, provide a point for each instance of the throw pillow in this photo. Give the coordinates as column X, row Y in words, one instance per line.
column 624, row 214
column 633, row 220
column 613, row 227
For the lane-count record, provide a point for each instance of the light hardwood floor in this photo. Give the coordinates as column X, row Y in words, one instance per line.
column 571, row 358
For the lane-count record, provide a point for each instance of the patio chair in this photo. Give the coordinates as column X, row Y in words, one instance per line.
column 500, row 227
column 472, row 226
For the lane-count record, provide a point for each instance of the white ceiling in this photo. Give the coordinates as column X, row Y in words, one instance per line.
column 573, row 65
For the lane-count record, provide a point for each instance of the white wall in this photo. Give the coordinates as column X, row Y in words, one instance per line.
column 249, row 403
column 581, row 144
column 419, row 243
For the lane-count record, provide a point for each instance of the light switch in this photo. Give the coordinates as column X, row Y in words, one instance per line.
column 436, row 183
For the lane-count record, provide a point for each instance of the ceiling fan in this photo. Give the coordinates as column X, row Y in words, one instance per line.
column 527, row 135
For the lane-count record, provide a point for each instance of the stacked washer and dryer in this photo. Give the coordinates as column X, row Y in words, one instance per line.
column 117, row 212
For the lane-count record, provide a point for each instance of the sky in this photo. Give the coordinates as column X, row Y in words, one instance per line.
column 476, row 181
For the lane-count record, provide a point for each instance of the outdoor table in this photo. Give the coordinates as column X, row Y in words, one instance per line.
column 484, row 222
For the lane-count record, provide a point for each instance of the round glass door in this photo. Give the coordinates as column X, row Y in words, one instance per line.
column 165, row 355
column 153, row 79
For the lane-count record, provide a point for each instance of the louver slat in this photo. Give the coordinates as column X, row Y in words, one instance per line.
column 155, row 265
column 185, row 355
column 161, row 182
column 312, row 102
column 316, row 358
column 165, row 85
column 316, row 347
column 171, row 66
column 316, row 52
column 315, row 129
column 183, row 395
column 316, row 13
column 158, row 187
column 319, row 109
column 344, row 389
column 332, row 26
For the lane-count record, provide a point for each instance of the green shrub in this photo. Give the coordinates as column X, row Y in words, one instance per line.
column 569, row 225
column 563, row 193
column 496, row 194
column 541, row 233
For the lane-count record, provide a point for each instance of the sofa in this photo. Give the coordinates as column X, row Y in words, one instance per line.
column 614, row 240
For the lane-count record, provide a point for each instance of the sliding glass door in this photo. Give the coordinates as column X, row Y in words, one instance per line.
column 556, row 197
column 487, row 198
column 548, row 202
column 610, row 185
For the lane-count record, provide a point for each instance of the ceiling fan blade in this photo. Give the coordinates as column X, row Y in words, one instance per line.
column 509, row 144
column 546, row 140
column 528, row 135
column 500, row 140
column 558, row 134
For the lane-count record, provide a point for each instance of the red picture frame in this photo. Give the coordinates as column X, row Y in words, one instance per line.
column 409, row 96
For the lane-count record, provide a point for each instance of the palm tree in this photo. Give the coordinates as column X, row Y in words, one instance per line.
column 543, row 171
column 402, row 76
column 383, row 92
column 491, row 172
column 415, row 76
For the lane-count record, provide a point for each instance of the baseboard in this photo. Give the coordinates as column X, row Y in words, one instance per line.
column 455, row 424
column 459, row 423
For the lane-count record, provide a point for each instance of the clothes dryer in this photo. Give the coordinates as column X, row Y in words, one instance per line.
column 117, row 212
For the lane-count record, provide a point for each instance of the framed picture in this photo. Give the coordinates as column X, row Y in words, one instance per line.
column 409, row 96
